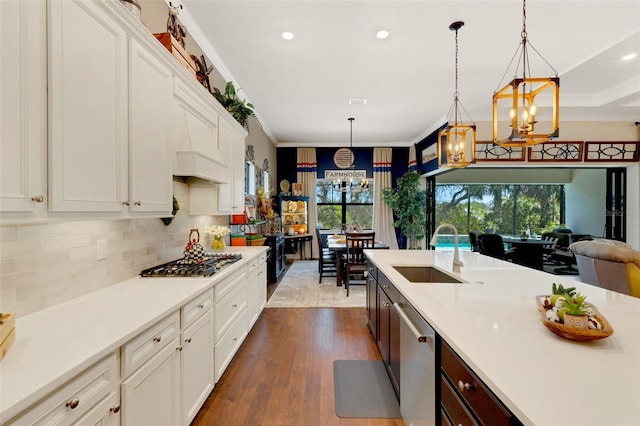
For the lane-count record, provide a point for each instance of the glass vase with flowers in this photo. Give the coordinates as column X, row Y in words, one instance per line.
column 218, row 231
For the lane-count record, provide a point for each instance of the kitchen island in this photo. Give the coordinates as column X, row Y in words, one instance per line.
column 491, row 322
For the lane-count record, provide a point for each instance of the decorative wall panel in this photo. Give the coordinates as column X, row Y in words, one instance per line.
column 556, row 152
column 611, row 151
column 488, row 151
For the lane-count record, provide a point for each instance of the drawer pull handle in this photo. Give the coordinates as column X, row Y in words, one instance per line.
column 115, row 408
column 125, row 203
column 188, row 340
column 157, row 339
column 465, row 386
column 201, row 306
column 179, row 349
column 137, row 203
column 73, row 403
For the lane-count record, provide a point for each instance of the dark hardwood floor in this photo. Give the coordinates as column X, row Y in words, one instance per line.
column 283, row 373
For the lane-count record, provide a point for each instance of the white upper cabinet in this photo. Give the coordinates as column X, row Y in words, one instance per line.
column 23, row 102
column 88, row 119
column 231, row 195
column 150, row 184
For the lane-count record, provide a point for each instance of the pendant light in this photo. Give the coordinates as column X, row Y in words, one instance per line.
column 363, row 185
column 457, row 142
column 532, row 102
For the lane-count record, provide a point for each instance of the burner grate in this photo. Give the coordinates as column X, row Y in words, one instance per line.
column 205, row 266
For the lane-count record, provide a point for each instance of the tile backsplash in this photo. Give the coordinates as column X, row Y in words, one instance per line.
column 45, row 264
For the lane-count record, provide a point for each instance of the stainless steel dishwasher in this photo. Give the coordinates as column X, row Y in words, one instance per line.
column 417, row 368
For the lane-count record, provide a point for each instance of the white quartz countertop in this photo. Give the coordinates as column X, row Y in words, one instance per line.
column 55, row 344
column 491, row 321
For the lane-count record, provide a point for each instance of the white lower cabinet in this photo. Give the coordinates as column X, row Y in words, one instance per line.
column 151, row 395
column 256, row 288
column 198, row 376
column 78, row 397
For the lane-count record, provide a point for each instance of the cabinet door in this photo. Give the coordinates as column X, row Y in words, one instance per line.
column 384, row 305
column 23, row 102
column 231, row 195
column 372, row 305
column 87, row 109
column 150, row 170
column 151, row 395
column 198, row 375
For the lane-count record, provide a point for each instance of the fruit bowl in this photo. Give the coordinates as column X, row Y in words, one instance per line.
column 573, row 333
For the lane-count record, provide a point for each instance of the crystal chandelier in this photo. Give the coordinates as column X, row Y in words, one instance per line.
column 457, row 141
column 526, row 98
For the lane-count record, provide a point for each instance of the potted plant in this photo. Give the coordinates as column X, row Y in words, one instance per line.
column 574, row 311
column 240, row 110
column 408, row 202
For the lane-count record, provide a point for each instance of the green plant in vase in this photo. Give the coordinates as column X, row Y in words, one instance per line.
column 408, row 202
column 574, row 310
column 240, row 110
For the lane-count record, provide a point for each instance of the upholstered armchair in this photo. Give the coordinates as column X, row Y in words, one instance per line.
column 609, row 264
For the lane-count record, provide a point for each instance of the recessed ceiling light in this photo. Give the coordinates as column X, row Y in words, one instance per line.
column 629, row 56
column 357, row 101
column 382, row 34
column 287, row 35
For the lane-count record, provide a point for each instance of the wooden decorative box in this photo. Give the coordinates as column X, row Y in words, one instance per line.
column 173, row 46
column 7, row 333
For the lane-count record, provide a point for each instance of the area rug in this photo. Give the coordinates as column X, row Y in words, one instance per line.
column 299, row 288
column 362, row 389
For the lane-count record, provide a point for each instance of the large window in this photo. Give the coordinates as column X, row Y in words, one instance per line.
column 503, row 209
column 345, row 205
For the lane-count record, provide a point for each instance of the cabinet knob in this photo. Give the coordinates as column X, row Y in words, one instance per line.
column 73, row 403
column 157, row 339
column 235, row 306
column 137, row 203
column 115, row 408
column 179, row 349
column 200, row 306
column 37, row 198
column 465, row 386
column 125, row 203
column 188, row 340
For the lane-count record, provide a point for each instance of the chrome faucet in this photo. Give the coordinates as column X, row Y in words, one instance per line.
column 457, row 263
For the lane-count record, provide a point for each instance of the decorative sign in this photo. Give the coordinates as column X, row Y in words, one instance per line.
column 345, row 174
column 556, row 151
column 343, row 158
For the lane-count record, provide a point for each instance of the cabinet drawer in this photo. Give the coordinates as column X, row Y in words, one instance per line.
column 142, row 348
column 225, row 287
column 105, row 413
column 228, row 345
column 77, row 397
column 196, row 308
column 479, row 398
column 453, row 407
column 228, row 309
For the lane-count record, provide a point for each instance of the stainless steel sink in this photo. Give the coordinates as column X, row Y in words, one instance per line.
column 425, row 274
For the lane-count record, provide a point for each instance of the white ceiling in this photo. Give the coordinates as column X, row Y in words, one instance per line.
column 301, row 88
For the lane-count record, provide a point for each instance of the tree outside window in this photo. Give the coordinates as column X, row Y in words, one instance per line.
column 343, row 206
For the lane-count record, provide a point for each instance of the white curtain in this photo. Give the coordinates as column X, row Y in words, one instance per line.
column 413, row 165
column 382, row 214
column 306, row 169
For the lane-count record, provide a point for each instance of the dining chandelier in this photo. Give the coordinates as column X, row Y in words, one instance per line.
column 528, row 100
column 457, row 141
column 348, row 183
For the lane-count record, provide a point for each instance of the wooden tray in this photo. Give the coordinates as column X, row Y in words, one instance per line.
column 572, row 333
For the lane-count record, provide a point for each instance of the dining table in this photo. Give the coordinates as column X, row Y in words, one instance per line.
column 338, row 243
column 529, row 251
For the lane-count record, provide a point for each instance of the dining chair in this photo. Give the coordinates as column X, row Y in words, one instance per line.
column 493, row 246
column 327, row 260
column 473, row 240
column 355, row 261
